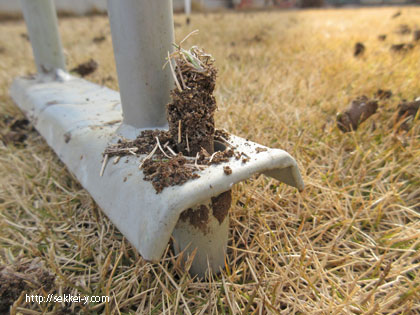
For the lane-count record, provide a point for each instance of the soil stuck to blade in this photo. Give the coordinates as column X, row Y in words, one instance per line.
column 191, row 112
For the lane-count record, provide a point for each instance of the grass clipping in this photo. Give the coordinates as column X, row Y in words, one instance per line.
column 173, row 157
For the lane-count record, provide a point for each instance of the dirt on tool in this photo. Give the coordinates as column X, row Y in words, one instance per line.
column 357, row 112
column 221, row 205
column 86, row 68
column 16, row 131
column 28, row 276
column 359, row 49
column 407, row 111
column 383, row 94
column 196, row 217
column 191, row 112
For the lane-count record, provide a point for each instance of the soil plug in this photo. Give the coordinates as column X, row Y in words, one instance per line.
column 191, row 112
column 358, row 111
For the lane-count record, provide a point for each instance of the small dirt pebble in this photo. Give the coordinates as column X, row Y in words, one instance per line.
column 86, row 68
column 382, row 37
column 404, row 47
column 359, row 49
column 383, row 94
column 416, row 35
column 403, row 29
column 227, row 170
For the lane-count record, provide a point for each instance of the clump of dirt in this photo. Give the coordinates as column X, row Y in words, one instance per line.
column 99, row 39
column 227, row 170
column 16, row 131
column 416, row 35
column 27, row 276
column 407, row 111
column 396, row 14
column 383, row 94
column 404, row 47
column 382, row 37
column 359, row 49
column 403, row 29
column 86, row 68
column 357, row 112
column 170, row 172
column 191, row 112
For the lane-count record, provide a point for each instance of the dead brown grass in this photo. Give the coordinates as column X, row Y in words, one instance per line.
column 349, row 244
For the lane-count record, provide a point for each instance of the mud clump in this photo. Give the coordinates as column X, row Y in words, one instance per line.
column 16, row 131
column 396, row 14
column 174, row 171
column 402, row 48
column 99, row 39
column 383, row 94
column 86, row 68
column 416, row 35
column 227, row 170
column 382, row 37
column 407, row 111
column 221, row 205
column 28, row 276
column 403, row 29
column 359, row 49
column 191, row 112
column 357, row 112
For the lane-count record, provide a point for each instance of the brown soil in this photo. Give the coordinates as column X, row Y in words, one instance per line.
column 221, row 205
column 16, row 131
column 382, row 37
column 227, row 170
column 358, row 111
column 401, row 47
column 99, row 39
column 28, row 276
column 191, row 112
column 396, row 14
column 383, row 94
column 407, row 111
column 416, row 35
column 165, row 173
column 86, row 68
column 197, row 218
column 359, row 49
column 403, row 29
column 259, row 150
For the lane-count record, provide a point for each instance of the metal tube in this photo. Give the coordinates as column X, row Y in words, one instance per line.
column 187, row 8
column 41, row 21
column 208, row 240
column 142, row 35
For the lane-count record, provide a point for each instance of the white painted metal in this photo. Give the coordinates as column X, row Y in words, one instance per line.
column 41, row 21
column 142, row 35
column 79, row 119
column 187, row 7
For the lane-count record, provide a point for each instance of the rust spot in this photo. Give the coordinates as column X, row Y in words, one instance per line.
column 221, row 205
column 197, row 218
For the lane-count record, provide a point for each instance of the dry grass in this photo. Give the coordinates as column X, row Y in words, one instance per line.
column 348, row 244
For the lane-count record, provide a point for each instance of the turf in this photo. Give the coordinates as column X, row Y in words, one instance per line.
column 348, row 244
